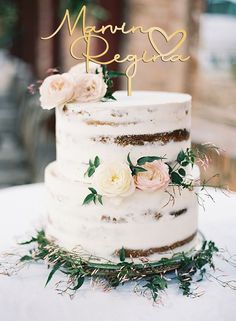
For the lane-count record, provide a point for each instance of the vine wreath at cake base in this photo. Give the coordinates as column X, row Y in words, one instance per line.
column 187, row 267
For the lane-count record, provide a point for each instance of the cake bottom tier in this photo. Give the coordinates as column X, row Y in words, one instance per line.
column 144, row 224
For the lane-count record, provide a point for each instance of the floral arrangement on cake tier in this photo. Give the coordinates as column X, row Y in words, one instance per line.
column 117, row 180
column 76, row 85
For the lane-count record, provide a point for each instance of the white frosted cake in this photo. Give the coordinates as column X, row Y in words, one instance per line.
column 102, row 146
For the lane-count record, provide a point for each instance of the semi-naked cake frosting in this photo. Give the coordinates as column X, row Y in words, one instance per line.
column 145, row 223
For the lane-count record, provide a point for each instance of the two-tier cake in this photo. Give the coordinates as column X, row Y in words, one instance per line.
column 110, row 188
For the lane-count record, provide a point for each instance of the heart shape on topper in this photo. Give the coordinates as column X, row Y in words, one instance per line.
column 167, row 38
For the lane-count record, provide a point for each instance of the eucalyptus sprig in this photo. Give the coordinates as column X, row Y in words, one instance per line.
column 92, row 197
column 92, row 166
column 178, row 172
column 108, row 75
column 186, row 157
column 193, row 264
column 155, row 285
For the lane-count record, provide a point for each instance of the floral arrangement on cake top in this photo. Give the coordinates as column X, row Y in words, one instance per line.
column 77, row 85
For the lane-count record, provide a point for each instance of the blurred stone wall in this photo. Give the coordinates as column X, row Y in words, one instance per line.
column 170, row 16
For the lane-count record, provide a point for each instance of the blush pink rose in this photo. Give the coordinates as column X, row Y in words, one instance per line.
column 89, row 88
column 56, row 90
column 155, row 178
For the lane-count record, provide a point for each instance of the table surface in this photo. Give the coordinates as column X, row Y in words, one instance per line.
column 23, row 297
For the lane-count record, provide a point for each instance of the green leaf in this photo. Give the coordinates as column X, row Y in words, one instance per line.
column 92, row 190
column 54, row 269
column 89, row 198
column 159, row 282
column 185, row 163
column 129, row 160
column 112, row 97
column 26, row 258
column 109, row 96
column 104, row 70
column 91, row 171
column 170, row 168
column 41, row 235
column 33, row 239
column 155, row 285
column 110, row 84
column 100, row 199
column 79, row 281
column 122, row 254
column 96, row 161
column 181, row 171
column 176, row 178
column 92, row 166
column 148, row 159
column 115, row 74
column 181, row 156
column 93, row 197
column 108, row 76
column 137, row 169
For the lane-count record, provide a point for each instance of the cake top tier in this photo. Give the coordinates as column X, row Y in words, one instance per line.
column 146, row 123
column 139, row 98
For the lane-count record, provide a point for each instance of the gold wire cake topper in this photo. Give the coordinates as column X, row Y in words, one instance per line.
column 90, row 33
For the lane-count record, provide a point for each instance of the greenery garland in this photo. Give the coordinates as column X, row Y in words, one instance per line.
column 188, row 267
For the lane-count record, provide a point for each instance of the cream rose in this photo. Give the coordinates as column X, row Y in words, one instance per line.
column 156, row 176
column 56, row 90
column 81, row 69
column 114, row 180
column 89, row 88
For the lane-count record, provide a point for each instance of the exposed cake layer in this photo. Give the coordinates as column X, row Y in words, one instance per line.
column 143, row 223
column 147, row 123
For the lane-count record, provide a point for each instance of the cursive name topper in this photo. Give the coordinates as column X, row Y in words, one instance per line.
column 90, row 33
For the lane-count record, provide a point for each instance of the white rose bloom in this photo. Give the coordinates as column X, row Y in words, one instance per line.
column 114, row 180
column 89, row 88
column 81, row 69
column 56, row 90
